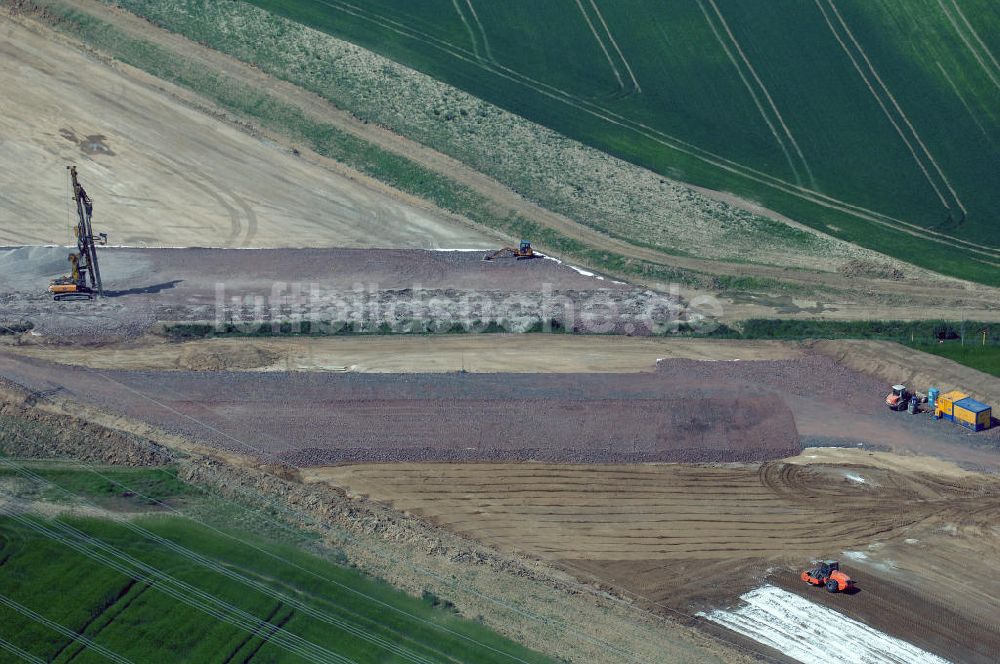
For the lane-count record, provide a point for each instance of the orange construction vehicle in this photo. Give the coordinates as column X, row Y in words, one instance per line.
column 827, row 573
column 523, row 251
column 898, row 399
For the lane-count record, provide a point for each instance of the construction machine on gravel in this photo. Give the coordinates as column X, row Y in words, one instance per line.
column 827, row 573
column 522, row 252
column 84, row 279
column 898, row 399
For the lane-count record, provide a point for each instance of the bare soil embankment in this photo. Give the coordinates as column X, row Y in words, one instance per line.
column 895, row 363
column 163, row 173
column 677, row 539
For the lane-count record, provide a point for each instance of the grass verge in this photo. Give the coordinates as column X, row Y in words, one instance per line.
column 94, row 576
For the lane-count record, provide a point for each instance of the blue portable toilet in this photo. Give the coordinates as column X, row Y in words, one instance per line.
column 932, row 395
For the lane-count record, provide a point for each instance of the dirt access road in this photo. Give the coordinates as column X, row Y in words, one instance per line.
column 831, row 403
column 162, row 173
column 918, row 538
column 493, row 353
column 409, row 290
column 863, row 297
column 325, row 418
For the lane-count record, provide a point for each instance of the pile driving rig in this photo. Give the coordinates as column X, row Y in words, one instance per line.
column 84, row 280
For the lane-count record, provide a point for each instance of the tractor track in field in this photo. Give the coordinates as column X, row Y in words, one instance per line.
column 651, row 133
column 767, row 94
column 991, row 74
column 604, row 48
column 895, row 104
column 753, row 93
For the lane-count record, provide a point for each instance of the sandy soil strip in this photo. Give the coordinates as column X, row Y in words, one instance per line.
column 164, row 174
column 552, row 353
column 814, row 634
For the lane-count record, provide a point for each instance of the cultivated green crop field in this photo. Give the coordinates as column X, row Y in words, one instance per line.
column 877, row 122
column 166, row 588
column 984, row 358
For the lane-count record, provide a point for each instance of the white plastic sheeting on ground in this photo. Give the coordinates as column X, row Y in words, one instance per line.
column 814, row 634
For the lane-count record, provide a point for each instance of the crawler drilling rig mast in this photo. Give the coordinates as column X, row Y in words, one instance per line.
column 84, row 280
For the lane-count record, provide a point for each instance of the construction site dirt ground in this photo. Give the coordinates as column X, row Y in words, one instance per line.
column 165, row 174
column 253, row 287
column 170, row 169
column 919, row 539
column 829, row 402
column 477, row 353
column 918, row 533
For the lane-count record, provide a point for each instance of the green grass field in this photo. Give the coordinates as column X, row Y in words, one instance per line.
column 861, row 119
column 972, row 354
column 141, row 597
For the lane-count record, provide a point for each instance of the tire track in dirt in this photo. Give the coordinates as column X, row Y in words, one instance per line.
column 665, row 512
column 685, row 559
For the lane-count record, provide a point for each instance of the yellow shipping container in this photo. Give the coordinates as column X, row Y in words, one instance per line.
column 945, row 402
column 963, row 415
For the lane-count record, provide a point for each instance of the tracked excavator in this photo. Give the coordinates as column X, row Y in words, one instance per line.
column 523, row 251
column 84, row 279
